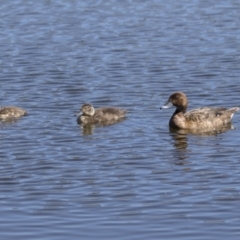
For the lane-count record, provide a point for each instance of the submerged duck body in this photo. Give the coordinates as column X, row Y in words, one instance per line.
column 203, row 119
column 103, row 116
column 11, row 112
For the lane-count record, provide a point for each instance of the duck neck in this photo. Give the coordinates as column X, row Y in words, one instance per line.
column 92, row 112
column 181, row 109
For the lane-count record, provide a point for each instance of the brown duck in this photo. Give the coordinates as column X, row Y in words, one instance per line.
column 203, row 119
column 103, row 116
column 11, row 112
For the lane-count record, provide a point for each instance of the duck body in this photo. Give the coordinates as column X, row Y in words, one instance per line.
column 105, row 115
column 203, row 119
column 11, row 112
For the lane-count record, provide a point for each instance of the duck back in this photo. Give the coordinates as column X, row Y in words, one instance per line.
column 11, row 112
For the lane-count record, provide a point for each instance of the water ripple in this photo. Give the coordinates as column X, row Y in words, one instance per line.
column 135, row 179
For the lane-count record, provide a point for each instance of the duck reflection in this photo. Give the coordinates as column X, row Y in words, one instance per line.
column 181, row 137
column 180, row 143
column 9, row 121
column 213, row 132
column 88, row 129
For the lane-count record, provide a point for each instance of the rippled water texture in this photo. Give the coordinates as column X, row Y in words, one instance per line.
column 135, row 179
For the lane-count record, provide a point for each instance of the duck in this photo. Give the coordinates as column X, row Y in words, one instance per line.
column 11, row 112
column 103, row 116
column 203, row 119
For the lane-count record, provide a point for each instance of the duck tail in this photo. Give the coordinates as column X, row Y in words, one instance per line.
column 233, row 110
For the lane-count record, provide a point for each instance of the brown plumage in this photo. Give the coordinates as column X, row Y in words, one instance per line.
column 11, row 112
column 205, row 118
column 103, row 116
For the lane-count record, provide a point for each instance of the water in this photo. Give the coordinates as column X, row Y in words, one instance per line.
column 134, row 179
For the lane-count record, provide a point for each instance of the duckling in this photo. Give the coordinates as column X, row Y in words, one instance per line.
column 204, row 118
column 103, row 116
column 11, row 112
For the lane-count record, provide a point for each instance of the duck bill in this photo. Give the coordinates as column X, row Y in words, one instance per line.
column 167, row 105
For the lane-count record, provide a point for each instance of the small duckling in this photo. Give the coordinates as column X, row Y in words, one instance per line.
column 204, row 118
column 103, row 116
column 11, row 112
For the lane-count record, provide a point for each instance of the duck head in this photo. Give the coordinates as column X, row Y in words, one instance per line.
column 177, row 99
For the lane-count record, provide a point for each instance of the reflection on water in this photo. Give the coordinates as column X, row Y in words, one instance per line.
column 212, row 132
column 10, row 120
column 87, row 129
column 180, row 143
column 180, row 139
